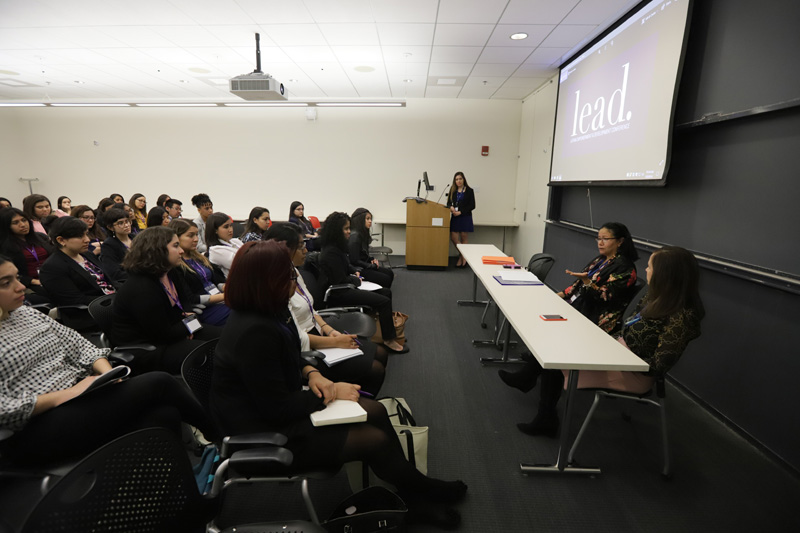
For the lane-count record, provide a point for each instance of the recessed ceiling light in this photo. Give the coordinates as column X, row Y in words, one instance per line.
column 364, row 68
column 199, row 70
column 9, row 72
column 408, row 81
column 519, row 36
column 21, row 105
column 79, row 82
column 446, row 81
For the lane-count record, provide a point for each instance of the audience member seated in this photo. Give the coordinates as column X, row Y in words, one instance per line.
column 666, row 320
column 258, row 379
column 222, row 246
column 27, row 249
column 367, row 370
column 336, row 269
column 358, row 247
column 201, row 277
column 157, row 217
column 162, row 200
column 104, row 205
column 116, row 246
column 72, row 275
column 37, row 209
column 117, row 198
column 64, row 206
column 5, row 202
column 297, row 216
column 155, row 306
column 95, row 229
column 138, row 205
column 258, row 222
column 44, row 369
column 204, row 207
column 174, row 208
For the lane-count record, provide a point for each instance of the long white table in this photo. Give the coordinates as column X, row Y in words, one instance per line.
column 574, row 344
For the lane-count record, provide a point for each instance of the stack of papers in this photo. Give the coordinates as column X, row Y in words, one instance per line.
column 339, row 412
column 337, row 355
column 368, row 286
column 517, row 277
column 498, row 260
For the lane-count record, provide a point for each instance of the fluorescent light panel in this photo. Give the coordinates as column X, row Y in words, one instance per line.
column 89, row 105
column 359, row 104
column 269, row 104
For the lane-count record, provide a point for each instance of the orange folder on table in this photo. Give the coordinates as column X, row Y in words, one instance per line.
column 499, row 260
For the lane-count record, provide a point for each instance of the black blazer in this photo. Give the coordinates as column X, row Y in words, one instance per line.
column 12, row 249
column 112, row 252
column 467, row 205
column 193, row 280
column 335, row 267
column 358, row 252
column 257, row 383
column 142, row 311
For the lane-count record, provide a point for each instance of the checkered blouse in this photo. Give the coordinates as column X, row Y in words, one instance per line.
column 38, row 355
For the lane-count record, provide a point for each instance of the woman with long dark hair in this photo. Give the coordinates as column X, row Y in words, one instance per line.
column 461, row 201
column 157, row 216
column 37, row 208
column 116, row 246
column 666, row 319
column 27, row 249
column 336, row 269
column 367, row 370
column 258, row 222
column 297, row 216
column 222, row 245
column 358, row 249
column 94, row 228
column 138, row 204
column 258, row 386
column 155, row 306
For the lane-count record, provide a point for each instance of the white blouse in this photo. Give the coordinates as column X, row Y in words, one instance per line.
column 301, row 305
column 38, row 355
column 222, row 254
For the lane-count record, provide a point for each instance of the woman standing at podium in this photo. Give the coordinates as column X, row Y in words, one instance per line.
column 461, row 201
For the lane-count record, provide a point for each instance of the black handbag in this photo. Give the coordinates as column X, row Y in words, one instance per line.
column 372, row 510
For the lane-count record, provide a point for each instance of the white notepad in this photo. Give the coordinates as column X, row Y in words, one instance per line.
column 339, row 412
column 337, row 355
column 368, row 286
column 517, row 275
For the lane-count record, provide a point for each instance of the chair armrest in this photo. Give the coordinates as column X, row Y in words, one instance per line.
column 272, row 461
column 5, row 434
column 117, row 357
column 236, row 443
column 134, row 347
column 312, row 357
column 337, row 287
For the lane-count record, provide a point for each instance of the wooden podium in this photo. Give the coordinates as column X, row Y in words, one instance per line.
column 427, row 234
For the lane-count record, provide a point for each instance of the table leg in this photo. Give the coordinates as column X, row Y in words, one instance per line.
column 474, row 301
column 505, row 360
column 561, row 465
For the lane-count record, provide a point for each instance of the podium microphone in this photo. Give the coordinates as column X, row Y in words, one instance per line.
column 419, row 182
column 440, row 196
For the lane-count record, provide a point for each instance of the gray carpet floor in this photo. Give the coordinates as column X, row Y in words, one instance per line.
column 720, row 481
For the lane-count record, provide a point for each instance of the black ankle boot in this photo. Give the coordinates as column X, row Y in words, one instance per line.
column 524, row 379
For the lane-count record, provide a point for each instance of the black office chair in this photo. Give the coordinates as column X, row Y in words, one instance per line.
column 100, row 310
column 656, row 396
column 197, row 372
column 143, row 482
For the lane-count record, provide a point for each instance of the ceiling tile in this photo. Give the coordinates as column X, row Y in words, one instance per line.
column 358, row 54
column 407, row 70
column 539, row 11
column 450, row 69
column 170, row 55
column 276, row 11
column 494, row 69
column 534, row 71
column 406, row 34
column 350, row 34
column 241, row 35
column 455, row 54
column 189, row 36
column 512, row 93
column 462, row 34
column 503, row 32
column 295, row 34
column 607, row 11
column 567, row 36
column 403, row 54
column 524, row 83
column 405, row 11
column 442, row 92
column 466, row 11
column 546, row 56
column 269, row 55
column 339, row 11
column 137, row 36
column 213, row 11
column 504, row 54
column 309, row 54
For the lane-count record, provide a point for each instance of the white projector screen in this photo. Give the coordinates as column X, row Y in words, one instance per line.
column 616, row 98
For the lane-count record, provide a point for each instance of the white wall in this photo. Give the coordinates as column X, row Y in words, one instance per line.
column 242, row 157
column 536, row 136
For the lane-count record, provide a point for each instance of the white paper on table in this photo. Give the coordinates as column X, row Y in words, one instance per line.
column 509, row 274
column 437, row 222
column 337, row 355
column 368, row 286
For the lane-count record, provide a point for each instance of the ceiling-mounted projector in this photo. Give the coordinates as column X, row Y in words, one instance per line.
column 257, row 85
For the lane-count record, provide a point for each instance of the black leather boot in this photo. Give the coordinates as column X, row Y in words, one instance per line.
column 524, row 379
column 546, row 420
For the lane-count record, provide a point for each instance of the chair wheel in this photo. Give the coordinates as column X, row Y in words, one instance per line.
column 483, row 325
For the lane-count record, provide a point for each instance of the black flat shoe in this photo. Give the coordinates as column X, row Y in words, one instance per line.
column 404, row 350
column 517, row 381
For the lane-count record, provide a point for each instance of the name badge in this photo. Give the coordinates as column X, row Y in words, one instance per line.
column 192, row 324
column 211, row 289
column 573, row 298
column 455, row 208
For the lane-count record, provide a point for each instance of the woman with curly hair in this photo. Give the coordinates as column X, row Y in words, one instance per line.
column 155, row 306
